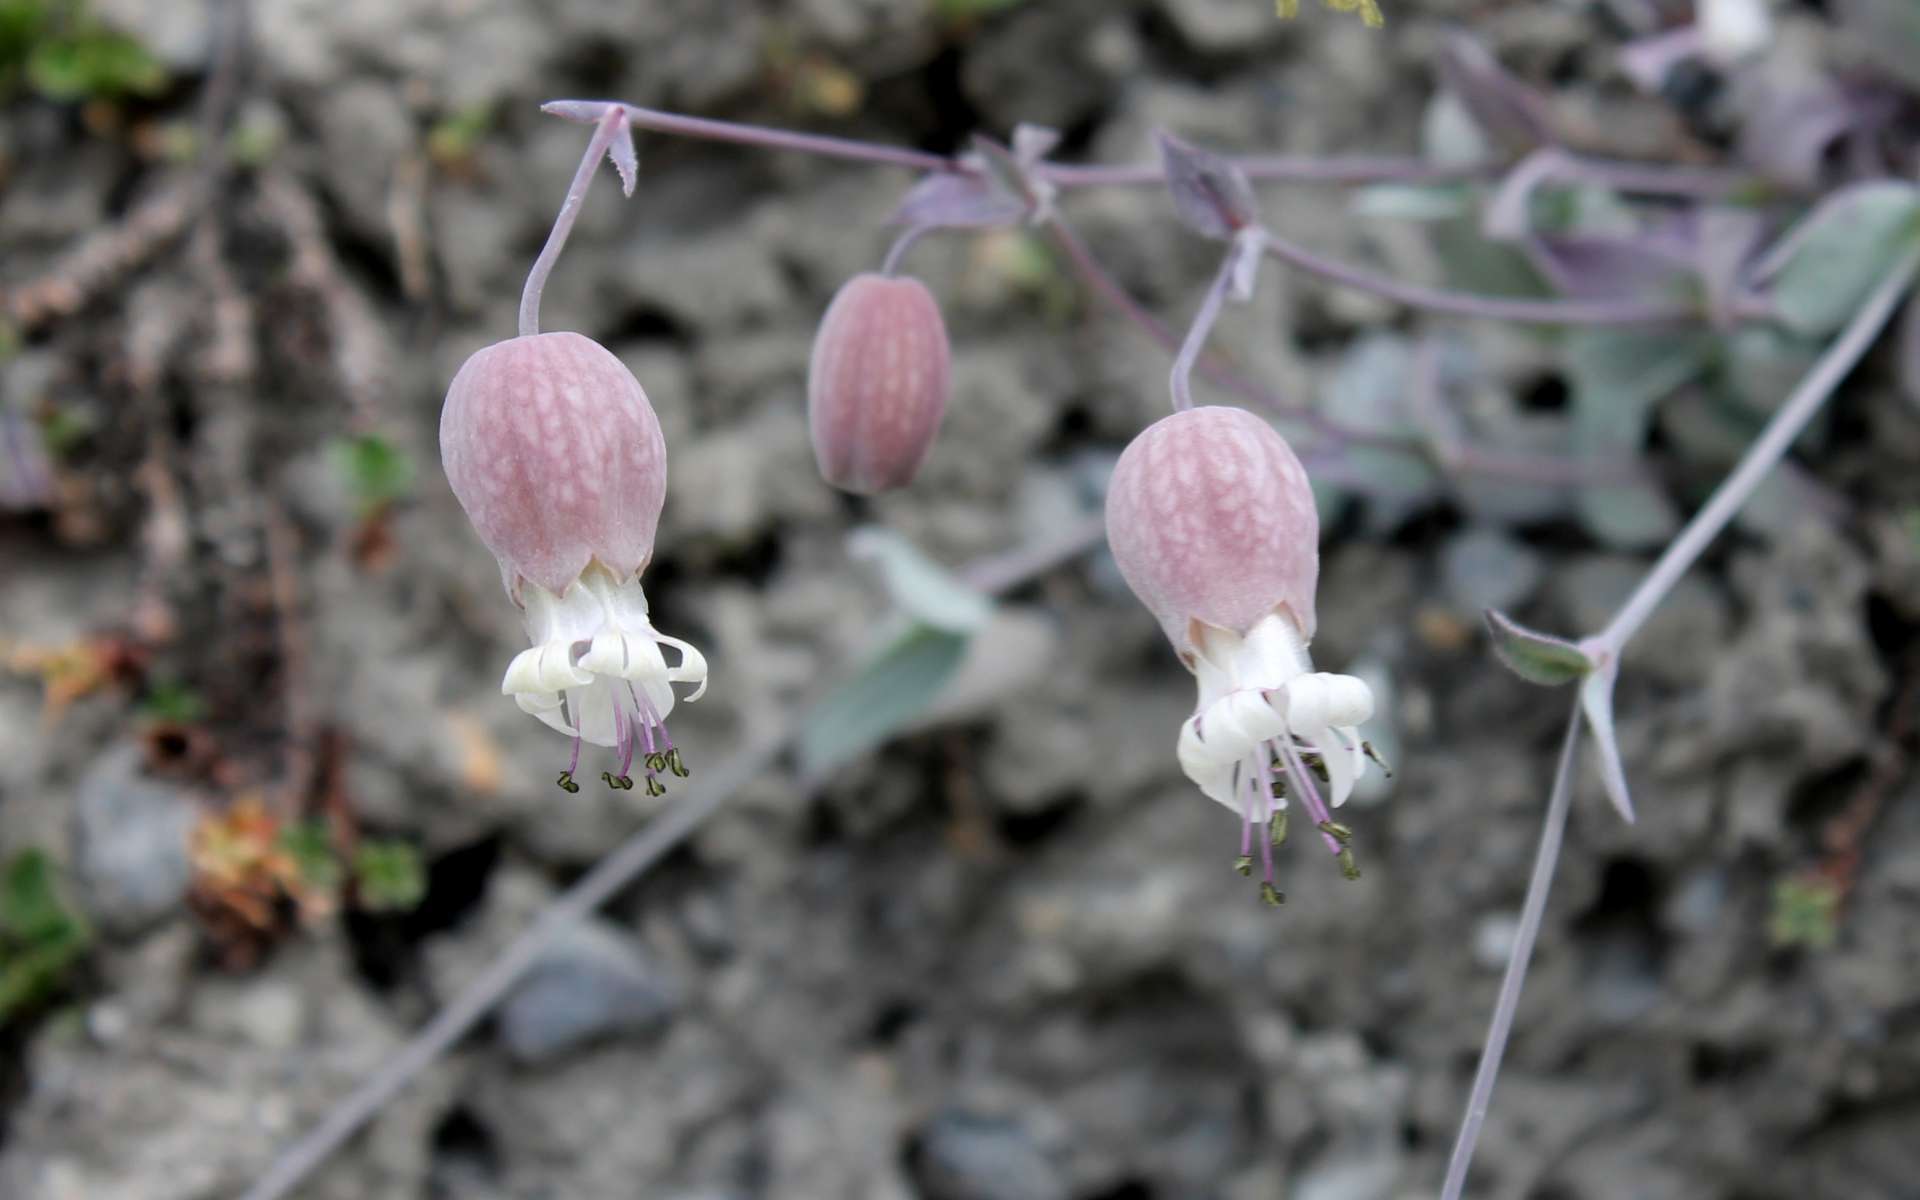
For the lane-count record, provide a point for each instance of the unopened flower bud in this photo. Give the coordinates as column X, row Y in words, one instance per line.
column 878, row 383
column 1211, row 519
column 554, row 452
column 1212, row 523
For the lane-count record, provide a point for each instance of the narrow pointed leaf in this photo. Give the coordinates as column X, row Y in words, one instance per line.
column 889, row 693
column 1211, row 196
column 1534, row 656
column 623, row 156
column 1596, row 700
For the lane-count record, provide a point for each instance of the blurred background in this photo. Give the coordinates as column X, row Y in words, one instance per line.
column 263, row 809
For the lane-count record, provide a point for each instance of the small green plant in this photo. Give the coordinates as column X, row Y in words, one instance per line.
column 453, row 139
column 41, row 939
column 1806, row 913
column 60, row 51
column 309, row 846
column 170, row 700
column 390, row 876
column 376, row 471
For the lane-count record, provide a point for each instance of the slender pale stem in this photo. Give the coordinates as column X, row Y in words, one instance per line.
column 1552, row 831
column 604, row 131
column 1838, row 361
column 1182, row 378
column 1492, row 465
column 1644, row 178
column 711, row 130
column 891, row 264
column 1496, row 308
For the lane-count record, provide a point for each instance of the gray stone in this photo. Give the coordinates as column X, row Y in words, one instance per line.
column 594, row 981
column 964, row 1156
column 130, row 842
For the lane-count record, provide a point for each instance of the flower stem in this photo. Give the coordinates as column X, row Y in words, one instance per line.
column 1833, row 367
column 901, row 245
column 1182, row 378
column 604, row 131
column 711, row 130
column 1496, row 308
column 1552, row 832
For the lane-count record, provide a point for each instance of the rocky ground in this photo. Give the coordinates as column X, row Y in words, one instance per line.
column 1001, row 959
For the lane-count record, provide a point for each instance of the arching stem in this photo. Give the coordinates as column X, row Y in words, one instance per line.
column 611, row 124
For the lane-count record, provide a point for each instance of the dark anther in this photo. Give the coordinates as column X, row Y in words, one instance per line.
column 1272, row 896
column 655, row 787
column 1348, row 867
column 619, row 783
column 566, row 782
column 656, row 761
column 1243, row 864
column 1277, row 828
column 675, row 765
column 1367, row 749
column 1338, row 832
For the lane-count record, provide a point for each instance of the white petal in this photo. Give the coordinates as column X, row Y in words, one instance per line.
column 593, row 708
column 1211, row 773
column 545, row 706
column 692, row 667
column 544, row 668
column 1319, row 700
column 1339, row 751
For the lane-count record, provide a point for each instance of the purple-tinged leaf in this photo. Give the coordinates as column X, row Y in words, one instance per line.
column 1596, row 701
column 1511, row 114
column 1608, row 268
column 951, row 200
column 1211, row 195
column 1534, row 656
column 1000, row 164
column 1786, row 134
column 623, row 156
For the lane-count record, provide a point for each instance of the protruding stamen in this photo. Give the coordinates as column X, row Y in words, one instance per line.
column 1373, row 755
column 619, row 783
column 1347, row 866
column 1272, row 896
column 1309, row 794
column 1244, row 864
column 1277, row 828
column 1266, row 796
column 1338, row 832
column 675, row 765
column 655, row 787
column 566, row 779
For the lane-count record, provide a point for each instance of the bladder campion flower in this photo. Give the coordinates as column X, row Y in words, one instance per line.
column 556, row 456
column 878, row 383
column 1213, row 526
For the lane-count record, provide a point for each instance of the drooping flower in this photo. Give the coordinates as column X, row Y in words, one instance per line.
column 554, row 452
column 878, row 383
column 1212, row 523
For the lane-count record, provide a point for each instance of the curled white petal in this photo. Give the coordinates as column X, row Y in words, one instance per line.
column 1259, row 694
column 595, row 667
